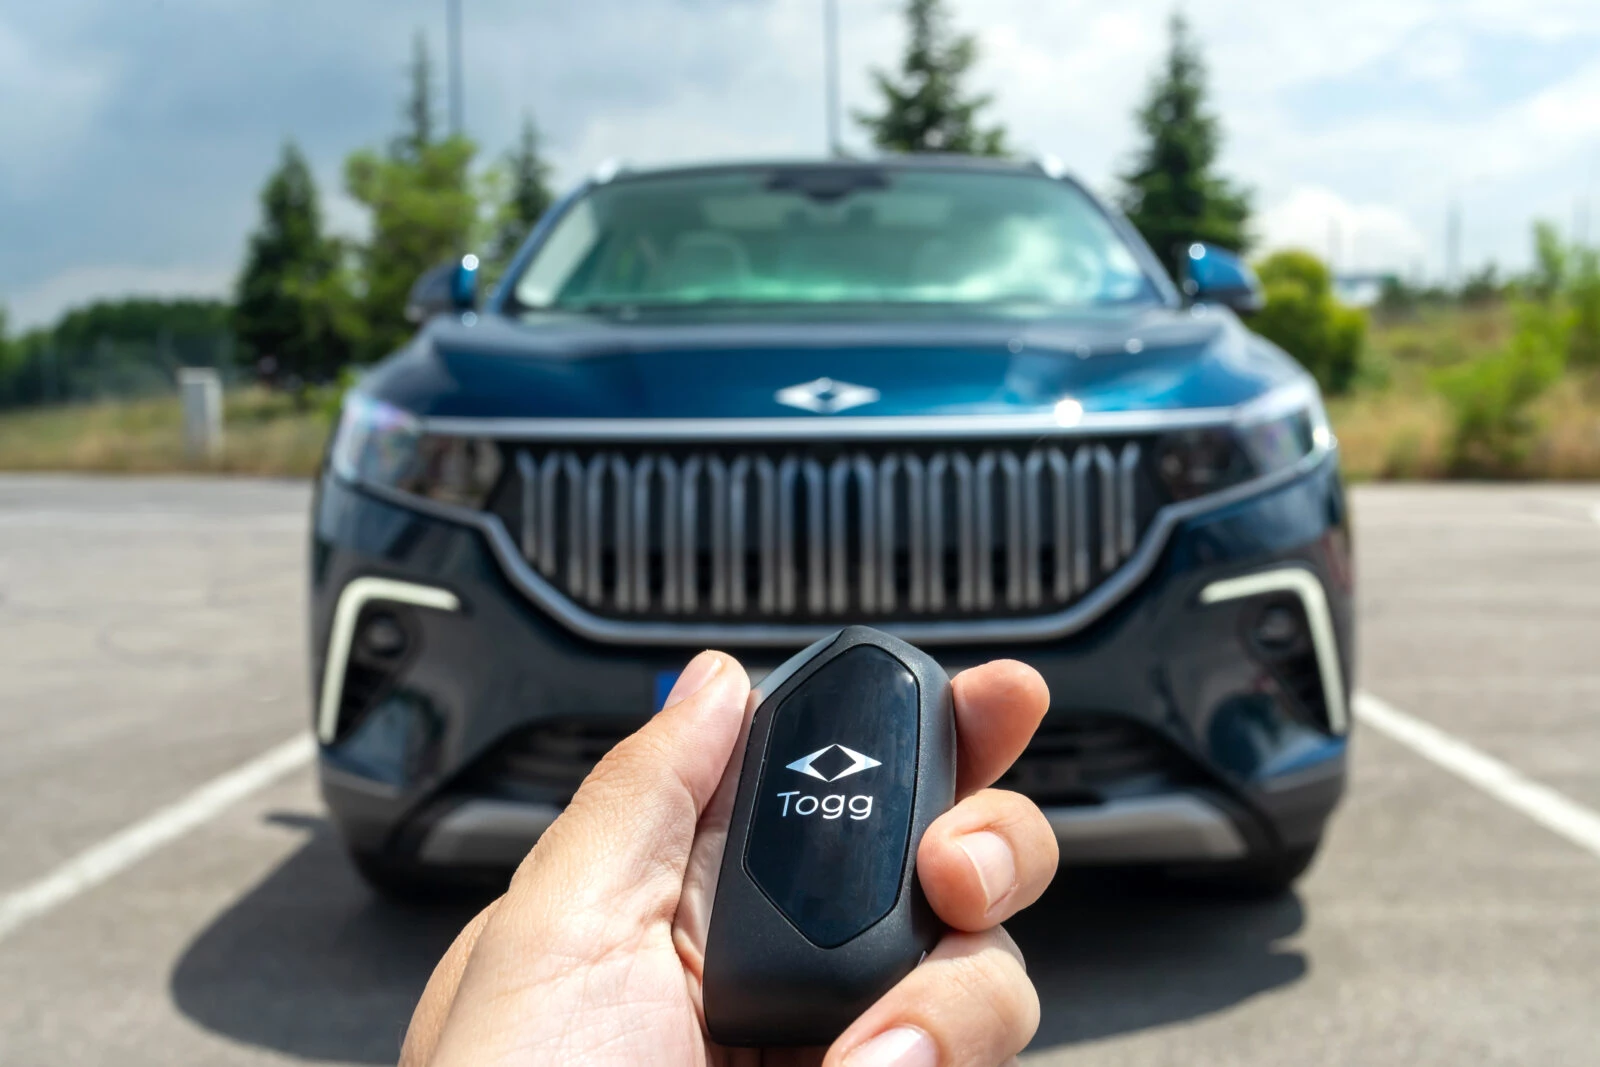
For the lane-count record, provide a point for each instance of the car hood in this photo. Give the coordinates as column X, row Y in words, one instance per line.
column 1144, row 360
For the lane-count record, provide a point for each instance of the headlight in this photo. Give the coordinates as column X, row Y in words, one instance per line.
column 378, row 444
column 1268, row 435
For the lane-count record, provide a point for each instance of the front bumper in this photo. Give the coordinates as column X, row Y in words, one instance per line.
column 1174, row 658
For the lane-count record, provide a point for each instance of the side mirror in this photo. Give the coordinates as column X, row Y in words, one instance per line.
column 448, row 289
column 1214, row 275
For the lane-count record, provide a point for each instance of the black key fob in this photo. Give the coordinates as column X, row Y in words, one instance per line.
column 850, row 755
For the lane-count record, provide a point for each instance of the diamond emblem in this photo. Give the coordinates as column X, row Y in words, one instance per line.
column 833, row 762
column 825, row 396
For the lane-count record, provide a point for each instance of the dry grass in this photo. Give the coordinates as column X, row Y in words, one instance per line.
column 1404, row 435
column 264, row 434
column 1396, row 426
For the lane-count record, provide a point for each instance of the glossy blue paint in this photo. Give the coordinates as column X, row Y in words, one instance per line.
column 568, row 367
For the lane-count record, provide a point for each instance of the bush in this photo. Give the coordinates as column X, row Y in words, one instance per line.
column 1492, row 424
column 1302, row 317
column 1584, row 294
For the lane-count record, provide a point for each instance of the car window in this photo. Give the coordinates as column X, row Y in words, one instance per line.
column 830, row 235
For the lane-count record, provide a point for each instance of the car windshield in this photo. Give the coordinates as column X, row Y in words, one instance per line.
column 832, row 236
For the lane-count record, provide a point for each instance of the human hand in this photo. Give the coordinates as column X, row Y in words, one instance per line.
column 595, row 953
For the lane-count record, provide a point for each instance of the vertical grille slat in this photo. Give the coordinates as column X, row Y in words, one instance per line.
column 751, row 532
column 738, row 512
column 816, row 575
column 1080, row 519
column 1107, row 467
column 689, row 535
column 916, row 533
column 1061, row 518
column 622, row 529
column 966, row 532
column 717, row 523
column 640, row 487
column 866, row 521
column 838, row 535
column 767, row 514
column 1033, row 528
column 575, row 512
column 671, row 559
column 594, row 489
column 788, row 579
column 1128, row 512
column 888, row 474
column 937, row 469
column 549, row 472
column 984, row 514
column 528, row 474
column 1011, row 467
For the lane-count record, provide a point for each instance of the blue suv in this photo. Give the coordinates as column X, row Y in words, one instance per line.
column 740, row 406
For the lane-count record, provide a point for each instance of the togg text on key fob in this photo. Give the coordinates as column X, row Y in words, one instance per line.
column 850, row 755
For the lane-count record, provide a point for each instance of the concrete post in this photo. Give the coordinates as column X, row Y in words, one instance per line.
column 201, row 389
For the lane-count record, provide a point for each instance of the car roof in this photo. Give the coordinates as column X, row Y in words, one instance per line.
column 925, row 161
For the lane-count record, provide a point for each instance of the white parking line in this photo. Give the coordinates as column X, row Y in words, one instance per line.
column 121, row 850
column 150, row 522
column 1543, row 805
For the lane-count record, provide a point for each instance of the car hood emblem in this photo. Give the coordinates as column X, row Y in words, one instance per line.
column 835, row 766
column 826, row 396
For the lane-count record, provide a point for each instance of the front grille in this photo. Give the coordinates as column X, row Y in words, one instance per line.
column 1089, row 759
column 739, row 533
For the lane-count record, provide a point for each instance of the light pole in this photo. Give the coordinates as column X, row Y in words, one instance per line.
column 830, row 61
column 453, row 58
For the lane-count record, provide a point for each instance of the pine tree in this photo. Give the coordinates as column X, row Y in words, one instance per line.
column 527, row 197
column 417, row 114
column 925, row 109
column 1172, row 194
column 424, row 207
column 288, row 306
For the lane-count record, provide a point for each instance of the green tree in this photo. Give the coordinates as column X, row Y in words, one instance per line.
column 1493, row 426
column 925, row 108
column 1173, row 194
column 293, row 304
column 10, row 363
column 417, row 134
column 1303, row 317
column 1550, row 261
column 526, row 178
column 1584, row 295
column 424, row 206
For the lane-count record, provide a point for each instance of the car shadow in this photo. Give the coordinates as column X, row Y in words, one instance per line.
column 1116, row 952
column 311, row 964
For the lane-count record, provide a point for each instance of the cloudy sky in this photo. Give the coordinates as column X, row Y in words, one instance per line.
column 134, row 134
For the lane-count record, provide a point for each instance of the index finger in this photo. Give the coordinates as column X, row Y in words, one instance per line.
column 998, row 707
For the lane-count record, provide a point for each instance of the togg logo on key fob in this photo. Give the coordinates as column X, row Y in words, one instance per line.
column 850, row 755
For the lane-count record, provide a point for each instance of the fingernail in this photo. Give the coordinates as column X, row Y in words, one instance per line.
column 997, row 868
column 700, row 671
column 901, row 1047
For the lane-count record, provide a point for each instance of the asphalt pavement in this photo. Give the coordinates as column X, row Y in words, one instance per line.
column 171, row 894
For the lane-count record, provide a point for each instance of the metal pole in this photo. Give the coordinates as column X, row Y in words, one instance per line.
column 1452, row 249
column 830, row 52
column 457, row 104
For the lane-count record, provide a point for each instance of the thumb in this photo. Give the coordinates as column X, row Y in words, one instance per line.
column 623, row 843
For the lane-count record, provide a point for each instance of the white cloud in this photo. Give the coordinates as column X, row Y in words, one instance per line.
column 1353, row 237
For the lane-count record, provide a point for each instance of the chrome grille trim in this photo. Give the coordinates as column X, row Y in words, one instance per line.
column 751, row 535
column 789, row 634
